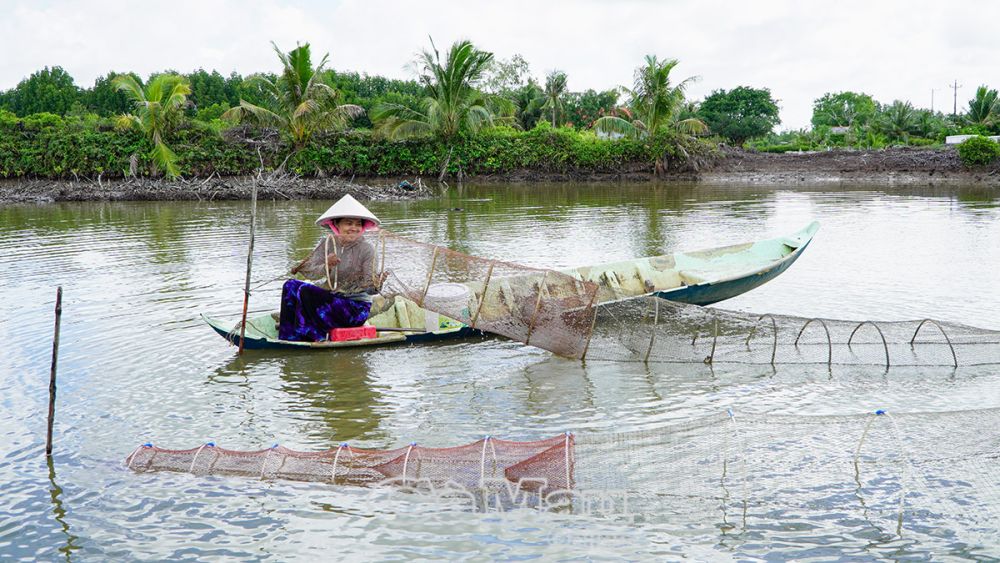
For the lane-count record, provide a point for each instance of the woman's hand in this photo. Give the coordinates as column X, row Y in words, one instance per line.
column 332, row 260
column 298, row 267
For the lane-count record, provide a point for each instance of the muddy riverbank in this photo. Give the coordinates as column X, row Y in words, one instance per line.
column 890, row 167
column 896, row 166
column 205, row 189
column 913, row 166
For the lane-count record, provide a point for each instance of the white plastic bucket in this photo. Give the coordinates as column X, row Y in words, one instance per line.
column 451, row 296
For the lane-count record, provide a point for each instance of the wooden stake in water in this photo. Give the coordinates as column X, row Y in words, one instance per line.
column 52, row 373
column 246, row 287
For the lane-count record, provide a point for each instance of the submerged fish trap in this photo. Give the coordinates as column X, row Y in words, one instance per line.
column 889, row 472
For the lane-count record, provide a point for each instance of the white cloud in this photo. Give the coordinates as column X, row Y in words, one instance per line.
column 798, row 49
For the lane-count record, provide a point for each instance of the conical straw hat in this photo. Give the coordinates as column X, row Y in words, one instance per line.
column 347, row 206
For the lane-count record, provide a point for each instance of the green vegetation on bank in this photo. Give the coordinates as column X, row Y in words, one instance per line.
column 466, row 113
column 47, row 145
column 978, row 150
column 856, row 120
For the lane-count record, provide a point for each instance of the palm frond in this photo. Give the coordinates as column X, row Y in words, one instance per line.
column 178, row 93
column 165, row 159
column 157, row 111
column 478, row 117
column 692, row 126
column 349, row 111
column 130, row 86
column 261, row 83
column 127, row 121
column 500, row 106
column 385, row 111
column 612, row 125
column 305, row 108
column 322, row 93
column 300, row 70
column 984, row 107
column 156, row 87
column 400, row 129
column 254, row 114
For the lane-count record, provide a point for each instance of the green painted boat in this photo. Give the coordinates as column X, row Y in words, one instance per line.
column 402, row 321
column 701, row 277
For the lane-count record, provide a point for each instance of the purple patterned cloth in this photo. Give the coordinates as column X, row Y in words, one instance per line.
column 308, row 312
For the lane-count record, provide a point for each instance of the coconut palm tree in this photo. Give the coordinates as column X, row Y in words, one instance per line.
column 654, row 103
column 297, row 102
column 158, row 110
column 897, row 121
column 984, row 109
column 930, row 124
column 453, row 105
column 555, row 88
column 528, row 101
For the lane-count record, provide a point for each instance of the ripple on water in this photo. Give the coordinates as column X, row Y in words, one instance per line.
column 137, row 365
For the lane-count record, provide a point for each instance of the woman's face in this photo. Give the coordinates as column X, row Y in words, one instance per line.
column 350, row 228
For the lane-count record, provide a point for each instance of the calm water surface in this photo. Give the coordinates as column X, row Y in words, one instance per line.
column 137, row 365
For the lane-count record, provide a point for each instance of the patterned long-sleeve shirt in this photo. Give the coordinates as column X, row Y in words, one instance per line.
column 355, row 275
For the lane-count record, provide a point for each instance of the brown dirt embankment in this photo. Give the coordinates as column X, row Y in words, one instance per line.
column 209, row 189
column 895, row 166
column 876, row 167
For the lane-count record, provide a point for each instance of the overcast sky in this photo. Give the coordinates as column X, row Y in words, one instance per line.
column 800, row 49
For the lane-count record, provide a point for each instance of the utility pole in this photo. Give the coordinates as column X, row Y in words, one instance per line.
column 955, row 87
column 932, row 99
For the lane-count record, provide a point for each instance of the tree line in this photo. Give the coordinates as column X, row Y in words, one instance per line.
column 457, row 95
column 856, row 119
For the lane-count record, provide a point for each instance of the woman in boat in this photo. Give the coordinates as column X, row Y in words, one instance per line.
column 346, row 262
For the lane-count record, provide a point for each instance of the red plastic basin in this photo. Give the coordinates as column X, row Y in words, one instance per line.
column 353, row 333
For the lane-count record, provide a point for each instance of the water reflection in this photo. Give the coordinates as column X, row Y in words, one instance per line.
column 564, row 390
column 332, row 394
column 59, row 512
column 340, row 391
column 604, row 224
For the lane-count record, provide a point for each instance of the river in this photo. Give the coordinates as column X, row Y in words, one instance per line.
column 137, row 365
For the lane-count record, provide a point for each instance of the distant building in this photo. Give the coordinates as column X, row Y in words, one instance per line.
column 956, row 139
column 840, row 130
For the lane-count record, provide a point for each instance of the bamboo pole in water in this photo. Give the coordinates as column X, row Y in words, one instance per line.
column 246, row 287
column 52, row 373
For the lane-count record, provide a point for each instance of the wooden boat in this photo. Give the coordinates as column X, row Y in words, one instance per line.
column 391, row 328
column 702, row 277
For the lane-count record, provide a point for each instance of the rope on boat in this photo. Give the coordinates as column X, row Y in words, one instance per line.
column 234, row 333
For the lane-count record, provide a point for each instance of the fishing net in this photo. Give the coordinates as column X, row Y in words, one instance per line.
column 870, row 469
column 608, row 313
column 542, row 466
column 656, row 330
column 544, row 308
column 892, row 471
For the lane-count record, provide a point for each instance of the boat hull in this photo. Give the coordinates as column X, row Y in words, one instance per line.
column 263, row 343
column 261, row 332
column 701, row 277
column 713, row 292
